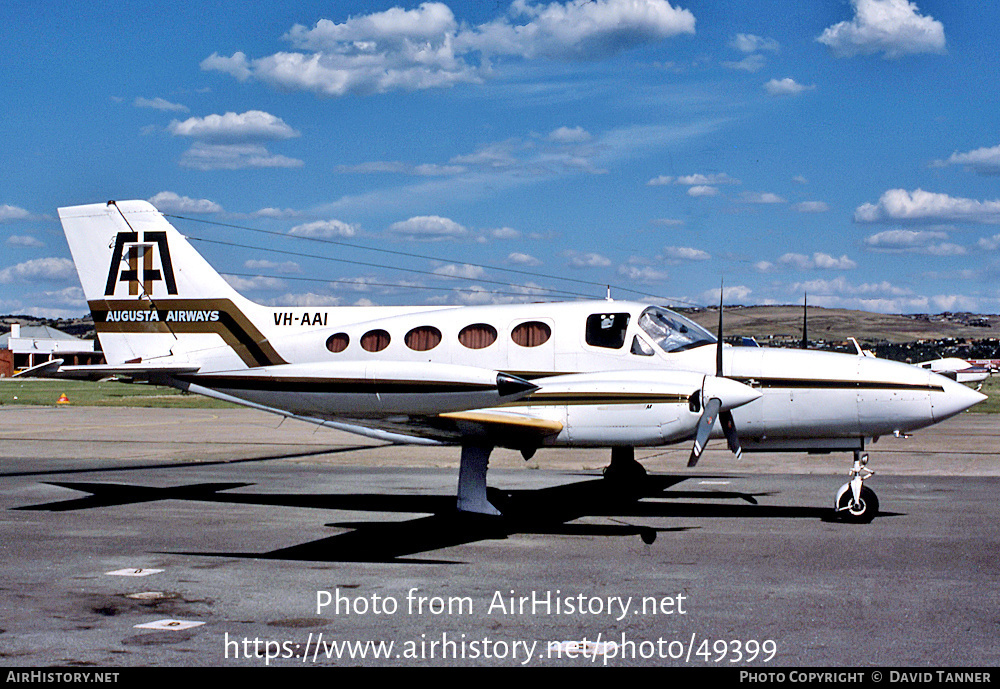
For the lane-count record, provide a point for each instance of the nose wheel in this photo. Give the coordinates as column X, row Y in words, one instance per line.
column 856, row 502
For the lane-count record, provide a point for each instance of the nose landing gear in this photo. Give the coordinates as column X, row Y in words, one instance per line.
column 855, row 502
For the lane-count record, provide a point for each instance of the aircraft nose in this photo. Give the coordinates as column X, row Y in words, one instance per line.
column 953, row 399
column 731, row 393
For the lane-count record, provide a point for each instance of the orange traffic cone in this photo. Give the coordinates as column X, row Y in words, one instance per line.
column 63, row 399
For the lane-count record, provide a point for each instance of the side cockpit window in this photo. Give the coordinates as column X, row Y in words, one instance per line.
column 672, row 332
column 640, row 347
column 607, row 330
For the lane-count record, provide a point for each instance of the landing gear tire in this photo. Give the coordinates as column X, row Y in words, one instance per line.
column 861, row 512
column 624, row 476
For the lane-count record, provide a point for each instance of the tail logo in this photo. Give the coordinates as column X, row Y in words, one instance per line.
column 132, row 262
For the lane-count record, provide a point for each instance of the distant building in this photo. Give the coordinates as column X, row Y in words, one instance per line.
column 30, row 345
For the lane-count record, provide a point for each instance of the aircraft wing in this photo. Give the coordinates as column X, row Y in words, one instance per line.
column 144, row 371
column 494, row 427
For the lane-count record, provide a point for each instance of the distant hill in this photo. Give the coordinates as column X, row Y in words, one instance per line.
column 776, row 324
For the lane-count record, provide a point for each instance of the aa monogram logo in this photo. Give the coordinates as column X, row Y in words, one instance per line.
column 132, row 262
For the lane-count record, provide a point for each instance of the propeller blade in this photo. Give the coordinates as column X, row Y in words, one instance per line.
column 705, row 423
column 729, row 429
column 805, row 320
column 718, row 344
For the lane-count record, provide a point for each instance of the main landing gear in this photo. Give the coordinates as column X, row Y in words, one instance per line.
column 856, row 502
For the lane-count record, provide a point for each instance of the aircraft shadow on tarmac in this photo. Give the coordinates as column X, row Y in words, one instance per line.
column 552, row 510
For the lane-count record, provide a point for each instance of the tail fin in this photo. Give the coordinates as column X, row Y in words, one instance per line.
column 153, row 296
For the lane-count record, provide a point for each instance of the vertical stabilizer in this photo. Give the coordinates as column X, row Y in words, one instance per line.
column 153, row 296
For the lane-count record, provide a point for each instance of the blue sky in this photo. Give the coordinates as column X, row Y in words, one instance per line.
column 481, row 152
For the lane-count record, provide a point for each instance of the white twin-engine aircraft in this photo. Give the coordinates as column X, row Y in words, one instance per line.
column 578, row 374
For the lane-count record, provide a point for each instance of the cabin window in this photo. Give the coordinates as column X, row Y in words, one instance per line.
column 338, row 342
column 424, row 338
column 607, row 330
column 375, row 340
column 477, row 336
column 531, row 334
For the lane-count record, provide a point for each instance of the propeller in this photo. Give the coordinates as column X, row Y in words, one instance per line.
column 713, row 392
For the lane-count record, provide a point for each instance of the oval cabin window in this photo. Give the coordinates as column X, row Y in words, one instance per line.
column 338, row 342
column 424, row 338
column 531, row 334
column 478, row 336
column 375, row 340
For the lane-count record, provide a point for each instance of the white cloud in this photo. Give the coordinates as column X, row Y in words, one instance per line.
column 170, row 202
column 751, row 63
column 956, row 302
column 67, row 296
column 38, row 269
column 397, row 167
column 520, row 259
column 579, row 29
column 233, row 128
column 519, row 162
column 159, row 104
column 373, row 53
column 264, row 264
column 812, row 207
column 244, row 284
column 565, row 135
column 8, row 212
column 505, row 233
column 660, row 181
column 24, row 241
column 236, row 66
column 642, row 273
column 326, row 229
column 586, row 260
column 879, row 297
column 786, row 87
column 828, row 262
column 983, row 161
column 202, row 156
column 306, row 299
column 735, row 293
column 899, row 205
column 697, row 179
column 702, row 190
column 685, row 253
column 989, row 243
column 817, row 260
column 748, row 43
column 428, row 228
column 840, row 285
column 902, row 240
column 428, row 22
column 892, row 27
column 427, row 47
column 912, row 241
column 761, row 197
column 465, row 271
column 276, row 213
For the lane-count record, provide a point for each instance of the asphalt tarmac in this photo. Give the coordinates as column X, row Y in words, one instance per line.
column 138, row 537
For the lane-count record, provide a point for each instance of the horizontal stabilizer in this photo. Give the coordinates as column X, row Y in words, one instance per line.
column 55, row 369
